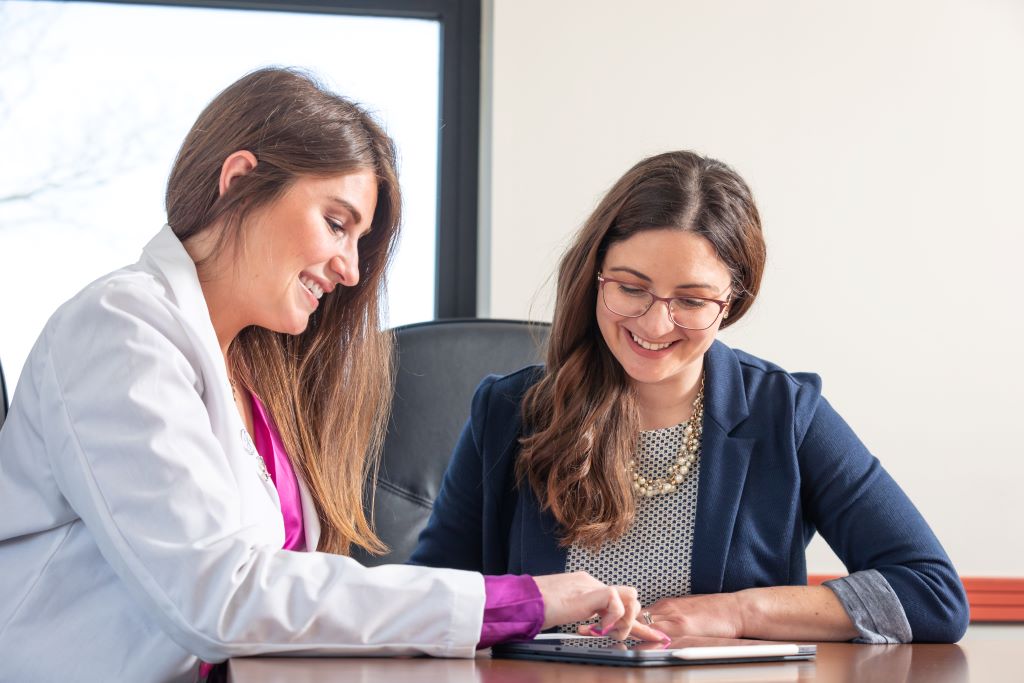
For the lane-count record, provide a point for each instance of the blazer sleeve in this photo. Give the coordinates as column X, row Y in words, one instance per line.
column 132, row 449
column 870, row 522
column 453, row 536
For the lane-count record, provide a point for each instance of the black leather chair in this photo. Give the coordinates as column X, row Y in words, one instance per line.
column 439, row 365
column 3, row 397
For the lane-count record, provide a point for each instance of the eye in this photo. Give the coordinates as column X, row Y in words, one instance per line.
column 691, row 304
column 631, row 291
column 335, row 226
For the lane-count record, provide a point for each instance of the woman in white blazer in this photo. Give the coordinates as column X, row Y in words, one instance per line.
column 140, row 530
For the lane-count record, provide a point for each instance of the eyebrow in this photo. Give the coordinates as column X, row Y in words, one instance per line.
column 637, row 273
column 347, row 205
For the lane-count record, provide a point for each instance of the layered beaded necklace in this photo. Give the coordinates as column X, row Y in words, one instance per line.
column 689, row 450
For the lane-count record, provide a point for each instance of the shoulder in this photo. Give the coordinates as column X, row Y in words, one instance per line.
column 513, row 386
column 769, row 391
column 761, row 374
column 128, row 292
column 127, row 312
column 758, row 375
column 497, row 402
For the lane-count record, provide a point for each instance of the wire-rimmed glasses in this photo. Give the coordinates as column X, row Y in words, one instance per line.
column 631, row 301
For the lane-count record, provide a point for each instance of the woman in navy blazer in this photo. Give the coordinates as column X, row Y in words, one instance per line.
column 546, row 470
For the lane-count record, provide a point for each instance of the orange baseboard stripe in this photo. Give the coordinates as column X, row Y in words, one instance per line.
column 991, row 599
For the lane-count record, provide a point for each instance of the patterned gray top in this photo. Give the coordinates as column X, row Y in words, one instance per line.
column 654, row 555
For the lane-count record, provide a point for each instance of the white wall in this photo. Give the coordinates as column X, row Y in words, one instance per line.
column 883, row 140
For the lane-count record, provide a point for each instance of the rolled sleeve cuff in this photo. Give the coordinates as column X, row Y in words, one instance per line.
column 873, row 606
column 514, row 609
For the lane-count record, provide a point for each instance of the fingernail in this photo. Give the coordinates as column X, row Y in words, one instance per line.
column 598, row 630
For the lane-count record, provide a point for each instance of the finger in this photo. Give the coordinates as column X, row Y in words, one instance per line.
column 631, row 603
column 649, row 633
column 612, row 612
column 638, row 631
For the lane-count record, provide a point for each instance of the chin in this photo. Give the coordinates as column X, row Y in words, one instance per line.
column 294, row 326
column 650, row 377
column 299, row 328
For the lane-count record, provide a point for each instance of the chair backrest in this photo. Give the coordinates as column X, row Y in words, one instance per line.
column 3, row 397
column 439, row 365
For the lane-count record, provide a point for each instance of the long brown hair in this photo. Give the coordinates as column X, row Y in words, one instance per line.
column 581, row 419
column 329, row 388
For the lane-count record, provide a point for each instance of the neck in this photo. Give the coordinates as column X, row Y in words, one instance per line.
column 668, row 404
column 218, row 290
column 226, row 323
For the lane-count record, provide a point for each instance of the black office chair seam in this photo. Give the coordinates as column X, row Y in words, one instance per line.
column 397, row 490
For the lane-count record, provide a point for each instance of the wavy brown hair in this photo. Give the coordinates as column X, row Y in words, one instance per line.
column 329, row 388
column 581, row 419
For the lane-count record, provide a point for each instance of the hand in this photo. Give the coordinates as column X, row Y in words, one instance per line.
column 768, row 613
column 637, row 631
column 718, row 615
column 579, row 596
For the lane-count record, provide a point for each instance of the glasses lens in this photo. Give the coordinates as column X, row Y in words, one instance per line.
column 623, row 299
column 694, row 314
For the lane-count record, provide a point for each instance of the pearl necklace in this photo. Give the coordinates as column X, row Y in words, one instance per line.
column 689, row 450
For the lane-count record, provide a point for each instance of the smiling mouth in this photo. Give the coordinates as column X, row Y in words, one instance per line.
column 650, row 346
column 313, row 288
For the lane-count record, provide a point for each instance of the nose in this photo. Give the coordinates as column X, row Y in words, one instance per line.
column 346, row 264
column 657, row 321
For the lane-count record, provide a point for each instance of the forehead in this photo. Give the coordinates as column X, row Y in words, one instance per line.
column 669, row 258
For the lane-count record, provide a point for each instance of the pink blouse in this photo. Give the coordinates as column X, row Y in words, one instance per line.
column 269, row 446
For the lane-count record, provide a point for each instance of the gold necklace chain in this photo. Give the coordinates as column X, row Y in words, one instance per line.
column 689, row 450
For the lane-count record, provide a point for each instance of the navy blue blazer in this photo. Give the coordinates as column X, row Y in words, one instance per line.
column 777, row 464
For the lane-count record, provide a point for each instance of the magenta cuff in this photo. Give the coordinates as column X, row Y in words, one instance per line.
column 514, row 609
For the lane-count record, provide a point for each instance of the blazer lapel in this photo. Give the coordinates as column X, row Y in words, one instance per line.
column 723, row 468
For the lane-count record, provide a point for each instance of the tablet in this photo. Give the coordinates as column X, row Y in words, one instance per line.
column 564, row 647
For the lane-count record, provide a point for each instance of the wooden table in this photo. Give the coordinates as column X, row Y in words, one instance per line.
column 978, row 660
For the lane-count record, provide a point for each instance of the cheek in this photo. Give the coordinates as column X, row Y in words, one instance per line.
column 703, row 338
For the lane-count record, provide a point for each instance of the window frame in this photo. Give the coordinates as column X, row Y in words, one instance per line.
column 455, row 267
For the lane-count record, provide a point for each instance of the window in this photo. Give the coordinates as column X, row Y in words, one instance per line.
column 98, row 96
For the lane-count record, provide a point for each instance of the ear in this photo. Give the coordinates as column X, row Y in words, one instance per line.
column 236, row 165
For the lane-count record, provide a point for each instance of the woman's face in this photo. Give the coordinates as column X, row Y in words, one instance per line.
column 670, row 263
column 302, row 246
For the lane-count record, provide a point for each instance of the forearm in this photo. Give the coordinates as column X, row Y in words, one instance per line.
column 793, row 613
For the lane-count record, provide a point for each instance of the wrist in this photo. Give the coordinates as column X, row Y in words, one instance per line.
column 747, row 612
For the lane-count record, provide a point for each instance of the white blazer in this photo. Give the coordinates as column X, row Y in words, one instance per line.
column 138, row 534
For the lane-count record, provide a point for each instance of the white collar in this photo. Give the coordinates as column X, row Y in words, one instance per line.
column 167, row 255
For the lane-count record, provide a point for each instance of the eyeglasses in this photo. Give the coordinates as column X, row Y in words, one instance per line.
column 631, row 301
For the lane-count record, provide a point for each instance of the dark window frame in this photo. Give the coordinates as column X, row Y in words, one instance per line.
column 455, row 267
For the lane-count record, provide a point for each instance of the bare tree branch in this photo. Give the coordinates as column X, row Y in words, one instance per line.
column 104, row 145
